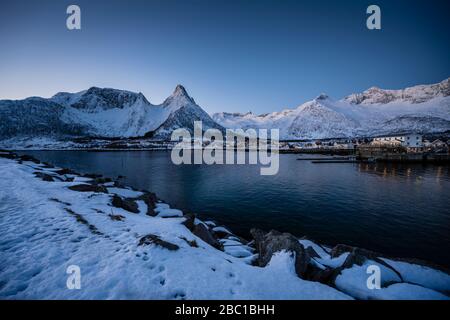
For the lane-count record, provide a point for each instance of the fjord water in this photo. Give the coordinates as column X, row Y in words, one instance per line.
column 400, row 210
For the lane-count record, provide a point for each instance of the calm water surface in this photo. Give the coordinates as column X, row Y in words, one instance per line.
column 403, row 210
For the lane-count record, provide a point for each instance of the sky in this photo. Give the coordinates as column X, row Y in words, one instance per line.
column 234, row 56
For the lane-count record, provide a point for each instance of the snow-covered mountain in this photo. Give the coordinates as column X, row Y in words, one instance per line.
column 112, row 113
column 423, row 108
column 99, row 112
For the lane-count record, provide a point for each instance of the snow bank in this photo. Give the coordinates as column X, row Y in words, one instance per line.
column 45, row 227
column 140, row 248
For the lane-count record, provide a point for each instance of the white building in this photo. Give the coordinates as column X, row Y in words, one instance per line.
column 407, row 140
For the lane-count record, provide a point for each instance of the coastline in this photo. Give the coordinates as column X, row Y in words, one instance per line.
column 327, row 272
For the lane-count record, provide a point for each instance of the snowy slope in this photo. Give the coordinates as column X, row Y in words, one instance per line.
column 424, row 108
column 34, row 116
column 45, row 227
column 183, row 111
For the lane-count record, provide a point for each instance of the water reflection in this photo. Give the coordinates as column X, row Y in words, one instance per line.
column 397, row 170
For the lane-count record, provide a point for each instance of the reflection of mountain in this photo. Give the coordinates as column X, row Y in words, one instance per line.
column 424, row 108
column 100, row 113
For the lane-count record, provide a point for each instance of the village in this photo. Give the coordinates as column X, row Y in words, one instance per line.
column 408, row 147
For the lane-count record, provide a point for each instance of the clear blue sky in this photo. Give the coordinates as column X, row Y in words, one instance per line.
column 234, row 55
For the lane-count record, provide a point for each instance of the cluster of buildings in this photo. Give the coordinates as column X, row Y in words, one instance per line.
column 411, row 143
column 407, row 142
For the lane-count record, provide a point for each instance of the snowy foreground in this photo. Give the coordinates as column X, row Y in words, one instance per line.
column 129, row 245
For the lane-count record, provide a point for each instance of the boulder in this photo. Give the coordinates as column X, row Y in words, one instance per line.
column 267, row 244
column 44, row 176
column 29, row 158
column 116, row 217
column 221, row 232
column 153, row 239
column 189, row 222
column 65, row 171
column 7, row 155
column 102, row 180
column 88, row 188
column 357, row 256
column 92, row 175
column 125, row 203
column 150, row 200
column 201, row 231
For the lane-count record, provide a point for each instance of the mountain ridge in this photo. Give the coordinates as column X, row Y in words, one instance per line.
column 101, row 112
column 369, row 113
column 113, row 113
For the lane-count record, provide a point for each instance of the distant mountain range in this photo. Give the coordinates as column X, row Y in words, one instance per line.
column 96, row 112
column 423, row 108
column 112, row 113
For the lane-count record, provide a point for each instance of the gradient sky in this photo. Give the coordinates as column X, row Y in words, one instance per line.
column 234, row 55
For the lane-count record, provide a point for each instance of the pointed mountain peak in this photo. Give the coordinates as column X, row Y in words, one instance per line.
column 180, row 91
column 322, row 96
column 179, row 94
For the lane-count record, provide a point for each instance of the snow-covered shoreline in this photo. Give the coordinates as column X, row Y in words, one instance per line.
column 130, row 245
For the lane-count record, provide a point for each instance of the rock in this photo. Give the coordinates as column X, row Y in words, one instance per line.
column 189, row 222
column 317, row 274
column 312, row 253
column 102, row 180
column 357, row 256
column 44, row 176
column 274, row 241
column 29, row 158
column 221, row 232
column 65, row 171
column 116, row 217
column 340, row 249
column 82, row 220
column 201, row 231
column 7, row 155
column 88, row 188
column 192, row 243
column 47, row 165
column 153, row 239
column 125, row 203
column 92, row 175
column 150, row 200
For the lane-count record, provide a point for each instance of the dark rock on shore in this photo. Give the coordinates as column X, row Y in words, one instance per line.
column 91, row 175
column 65, row 171
column 189, row 222
column 29, row 158
column 44, row 176
column 150, row 200
column 357, row 256
column 7, row 155
column 201, row 231
column 88, row 188
column 125, row 203
column 153, row 239
column 267, row 244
